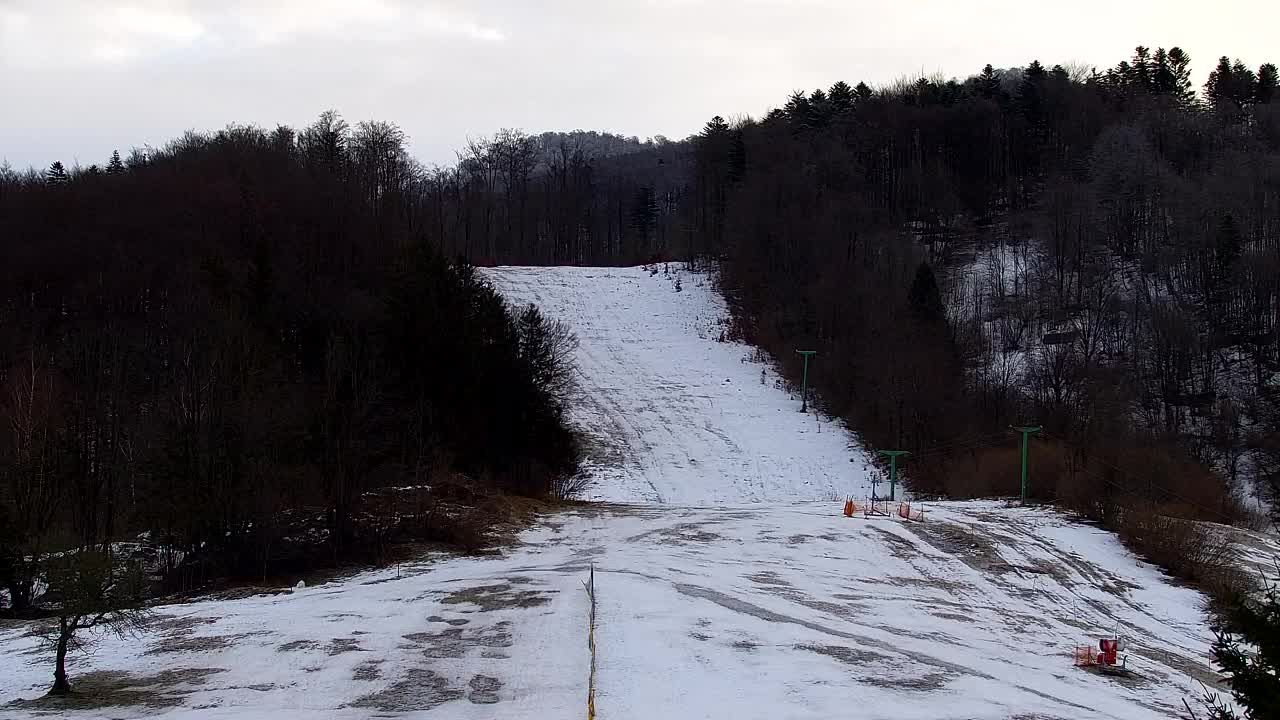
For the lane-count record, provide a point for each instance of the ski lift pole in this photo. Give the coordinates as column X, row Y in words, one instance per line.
column 893, row 469
column 1026, row 431
column 804, row 384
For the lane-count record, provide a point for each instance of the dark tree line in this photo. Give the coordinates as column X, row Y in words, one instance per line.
column 229, row 342
column 1097, row 252
column 1100, row 254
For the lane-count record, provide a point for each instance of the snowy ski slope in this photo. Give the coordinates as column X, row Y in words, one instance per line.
column 729, row 585
column 676, row 415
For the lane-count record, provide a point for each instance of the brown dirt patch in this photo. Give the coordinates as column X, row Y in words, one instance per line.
column 116, row 688
column 498, row 597
column 419, row 690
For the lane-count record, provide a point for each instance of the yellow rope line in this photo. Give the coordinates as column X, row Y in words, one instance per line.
column 591, row 643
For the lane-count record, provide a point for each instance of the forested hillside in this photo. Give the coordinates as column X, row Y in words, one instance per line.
column 228, row 343
column 1094, row 252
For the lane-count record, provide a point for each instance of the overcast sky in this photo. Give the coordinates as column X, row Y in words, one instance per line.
column 81, row 77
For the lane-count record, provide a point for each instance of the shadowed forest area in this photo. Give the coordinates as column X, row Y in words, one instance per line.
column 242, row 346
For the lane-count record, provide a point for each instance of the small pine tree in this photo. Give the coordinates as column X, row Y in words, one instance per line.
column 1180, row 66
column 1231, row 88
column 841, row 98
column 716, row 127
column 863, row 92
column 1217, row 89
column 56, row 174
column 989, row 83
column 1141, row 71
column 1031, row 92
column 819, row 108
column 1163, row 79
column 115, row 166
column 1268, row 84
column 1249, row 655
column 798, row 110
column 925, row 299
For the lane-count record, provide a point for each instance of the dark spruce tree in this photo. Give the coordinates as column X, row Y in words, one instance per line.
column 1180, row 66
column 841, row 98
column 1248, row 651
column 988, row 83
column 925, row 299
column 56, row 174
column 1268, row 82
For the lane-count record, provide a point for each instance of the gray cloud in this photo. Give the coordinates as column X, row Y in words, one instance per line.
column 80, row 77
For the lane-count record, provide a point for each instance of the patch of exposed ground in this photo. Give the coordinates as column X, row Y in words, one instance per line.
column 768, row 577
column 180, row 625
column 899, row 547
column 183, row 643
column 922, row 683
column 950, row 587
column 338, row 646
column 452, row 621
column 1126, row 677
column 962, row 543
column 1198, row 670
column 498, row 597
column 294, row 645
column 115, row 688
column 368, row 671
column 418, row 691
column 484, row 689
column 682, row 533
column 846, row 655
column 456, row 642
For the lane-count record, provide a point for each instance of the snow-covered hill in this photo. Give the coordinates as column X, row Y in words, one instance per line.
column 728, row 583
column 677, row 415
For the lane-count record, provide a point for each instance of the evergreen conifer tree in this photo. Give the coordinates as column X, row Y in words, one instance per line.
column 115, row 166
column 1163, row 79
column 1142, row 69
column 925, row 299
column 989, row 83
column 56, row 174
column 819, row 108
column 841, row 98
column 1180, row 66
column 1030, row 92
column 1268, row 81
column 1249, row 655
column 798, row 110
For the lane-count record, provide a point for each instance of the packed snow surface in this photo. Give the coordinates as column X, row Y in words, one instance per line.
column 728, row 583
column 677, row 414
